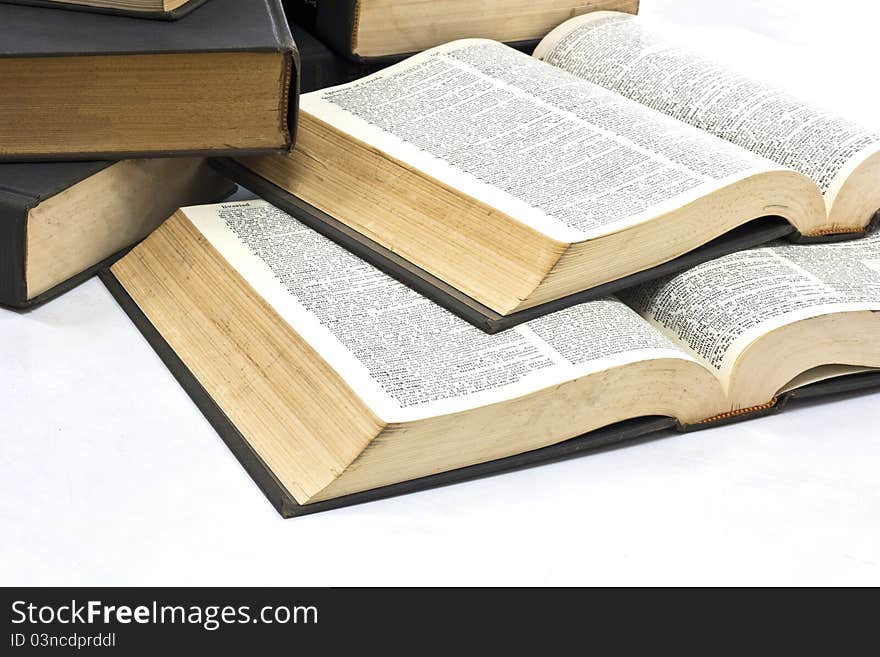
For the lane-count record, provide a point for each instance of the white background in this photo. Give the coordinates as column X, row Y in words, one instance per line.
column 109, row 475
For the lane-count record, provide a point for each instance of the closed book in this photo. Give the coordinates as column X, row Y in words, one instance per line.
column 61, row 221
column 377, row 30
column 167, row 10
column 86, row 86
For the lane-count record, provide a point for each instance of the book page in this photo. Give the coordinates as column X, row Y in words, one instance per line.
column 718, row 308
column 555, row 152
column 638, row 59
column 822, row 373
column 405, row 356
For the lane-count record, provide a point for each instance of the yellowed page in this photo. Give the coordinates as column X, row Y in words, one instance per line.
column 557, row 153
column 406, row 357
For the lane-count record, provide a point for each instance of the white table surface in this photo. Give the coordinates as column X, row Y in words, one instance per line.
column 109, row 475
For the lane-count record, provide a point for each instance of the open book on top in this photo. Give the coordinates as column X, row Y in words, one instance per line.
column 338, row 379
column 520, row 181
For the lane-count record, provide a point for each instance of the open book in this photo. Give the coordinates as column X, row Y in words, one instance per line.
column 520, row 181
column 337, row 379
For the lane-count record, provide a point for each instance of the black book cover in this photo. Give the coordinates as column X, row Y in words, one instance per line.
column 626, row 432
column 219, row 26
column 23, row 187
column 172, row 15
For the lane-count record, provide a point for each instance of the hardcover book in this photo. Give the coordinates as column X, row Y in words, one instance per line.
column 86, row 86
column 158, row 9
column 390, row 30
column 335, row 383
column 60, row 222
column 524, row 184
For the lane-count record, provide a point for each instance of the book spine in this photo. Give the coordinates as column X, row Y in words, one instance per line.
column 283, row 34
column 13, row 230
column 290, row 101
column 835, row 236
column 773, row 406
column 849, row 384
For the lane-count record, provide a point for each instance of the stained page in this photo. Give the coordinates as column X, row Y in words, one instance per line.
column 555, row 152
column 402, row 354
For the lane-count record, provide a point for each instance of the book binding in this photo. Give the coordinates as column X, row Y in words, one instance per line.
column 827, row 237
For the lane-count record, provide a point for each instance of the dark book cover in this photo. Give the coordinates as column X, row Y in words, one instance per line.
column 334, row 22
column 219, row 26
column 320, row 66
column 627, row 432
column 22, row 188
column 172, row 15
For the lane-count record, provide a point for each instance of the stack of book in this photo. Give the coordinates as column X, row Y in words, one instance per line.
column 424, row 292
column 106, row 118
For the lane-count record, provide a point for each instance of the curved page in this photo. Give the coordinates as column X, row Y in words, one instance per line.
column 405, row 356
column 559, row 154
column 638, row 59
column 719, row 308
